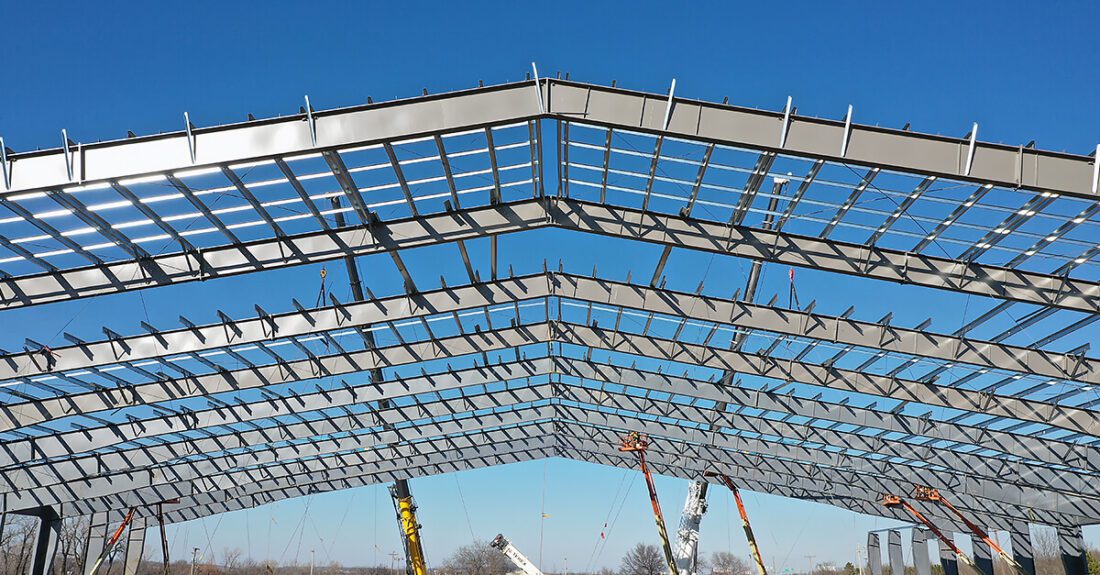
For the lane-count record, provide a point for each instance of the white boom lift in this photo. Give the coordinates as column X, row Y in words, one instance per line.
column 687, row 537
column 504, row 546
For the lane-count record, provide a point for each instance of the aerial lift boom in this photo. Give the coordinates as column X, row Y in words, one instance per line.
column 410, row 529
column 638, row 444
column 756, row 556
column 110, row 546
column 687, row 537
column 504, row 546
column 896, row 501
column 923, row 493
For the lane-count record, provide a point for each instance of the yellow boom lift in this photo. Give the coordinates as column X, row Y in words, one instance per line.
column 410, row 529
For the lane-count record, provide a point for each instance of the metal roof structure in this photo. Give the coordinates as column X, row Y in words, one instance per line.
column 828, row 406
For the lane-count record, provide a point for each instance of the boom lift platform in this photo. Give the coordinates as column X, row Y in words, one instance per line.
column 923, row 493
column 638, row 444
column 896, row 501
column 504, row 546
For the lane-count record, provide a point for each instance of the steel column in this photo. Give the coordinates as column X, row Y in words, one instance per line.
column 1022, row 550
column 893, row 551
column 44, row 545
column 96, row 539
column 874, row 554
column 1072, row 547
column 983, row 555
column 948, row 560
column 135, row 546
column 920, row 551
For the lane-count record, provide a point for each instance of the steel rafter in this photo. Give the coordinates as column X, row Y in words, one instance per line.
column 623, row 376
column 981, row 437
column 743, row 315
column 664, row 229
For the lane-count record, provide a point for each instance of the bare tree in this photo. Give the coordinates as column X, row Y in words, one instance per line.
column 643, row 560
column 231, row 558
column 726, row 563
column 477, row 558
column 70, row 546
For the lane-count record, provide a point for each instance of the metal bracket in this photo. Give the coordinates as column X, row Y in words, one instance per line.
column 970, row 150
column 786, row 123
column 847, row 132
column 1095, row 168
column 312, row 123
column 538, row 89
column 65, row 146
column 668, row 106
column 7, row 172
column 190, row 136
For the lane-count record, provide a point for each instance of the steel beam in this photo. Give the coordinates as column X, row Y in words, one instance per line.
column 20, row 452
column 586, row 336
column 251, row 377
column 624, row 342
column 311, row 482
column 244, row 257
column 904, row 150
column 193, row 469
column 855, row 453
column 874, row 553
column 734, row 312
column 827, row 255
column 1041, row 449
column 919, row 551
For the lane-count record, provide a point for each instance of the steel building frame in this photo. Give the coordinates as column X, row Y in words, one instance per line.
column 285, row 403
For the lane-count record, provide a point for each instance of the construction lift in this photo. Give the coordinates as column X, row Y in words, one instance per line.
column 687, row 537
column 753, row 547
column 410, row 529
column 115, row 537
column 923, row 493
column 504, row 546
column 896, row 501
column 638, row 444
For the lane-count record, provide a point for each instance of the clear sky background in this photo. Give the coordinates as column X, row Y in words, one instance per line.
column 1022, row 70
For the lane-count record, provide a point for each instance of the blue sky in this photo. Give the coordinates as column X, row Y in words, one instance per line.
column 1024, row 71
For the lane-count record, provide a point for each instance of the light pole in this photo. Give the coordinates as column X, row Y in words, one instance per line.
column 194, row 559
column 311, row 557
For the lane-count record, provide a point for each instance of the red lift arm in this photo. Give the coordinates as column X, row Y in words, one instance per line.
column 637, row 444
column 895, row 501
column 923, row 493
column 756, row 556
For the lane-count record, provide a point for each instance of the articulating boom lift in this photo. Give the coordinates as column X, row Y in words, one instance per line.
column 410, row 529
column 504, row 546
column 756, row 556
column 637, row 444
column 923, row 493
column 895, row 501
